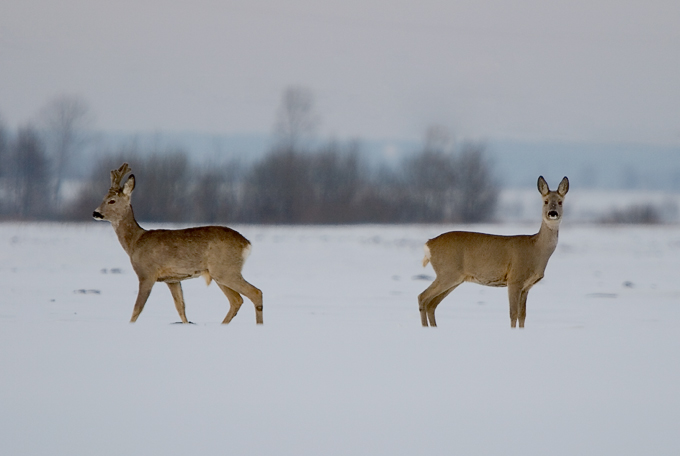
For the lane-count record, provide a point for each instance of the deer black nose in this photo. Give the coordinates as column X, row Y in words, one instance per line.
column 97, row 215
column 553, row 214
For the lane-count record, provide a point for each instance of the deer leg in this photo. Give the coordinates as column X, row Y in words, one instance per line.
column 235, row 301
column 239, row 285
column 523, row 307
column 429, row 299
column 425, row 298
column 432, row 306
column 145, row 287
column 176, row 290
column 422, row 308
column 515, row 297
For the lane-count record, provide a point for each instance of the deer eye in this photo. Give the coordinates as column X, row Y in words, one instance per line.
column 112, row 202
column 560, row 203
column 545, row 202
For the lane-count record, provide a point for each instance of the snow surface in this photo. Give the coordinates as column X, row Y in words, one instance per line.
column 341, row 365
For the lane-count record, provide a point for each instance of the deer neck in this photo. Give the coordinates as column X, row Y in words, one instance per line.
column 546, row 239
column 128, row 231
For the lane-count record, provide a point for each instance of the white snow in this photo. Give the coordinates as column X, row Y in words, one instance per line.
column 341, row 365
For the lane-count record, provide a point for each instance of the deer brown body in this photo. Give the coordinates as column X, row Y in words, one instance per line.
column 214, row 252
column 516, row 262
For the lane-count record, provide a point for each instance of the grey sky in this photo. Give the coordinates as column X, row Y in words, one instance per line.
column 595, row 70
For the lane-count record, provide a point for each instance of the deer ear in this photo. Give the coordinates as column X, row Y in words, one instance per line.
column 564, row 186
column 543, row 186
column 129, row 185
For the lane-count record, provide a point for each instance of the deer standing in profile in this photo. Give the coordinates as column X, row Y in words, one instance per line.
column 214, row 252
column 516, row 262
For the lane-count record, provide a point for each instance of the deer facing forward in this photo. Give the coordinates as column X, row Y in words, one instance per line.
column 214, row 252
column 516, row 262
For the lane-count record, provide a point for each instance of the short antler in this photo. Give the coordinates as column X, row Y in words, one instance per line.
column 117, row 175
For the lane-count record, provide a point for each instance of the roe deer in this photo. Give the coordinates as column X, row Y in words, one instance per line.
column 214, row 252
column 516, row 262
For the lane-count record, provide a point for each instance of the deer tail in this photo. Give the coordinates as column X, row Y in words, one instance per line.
column 426, row 258
column 246, row 252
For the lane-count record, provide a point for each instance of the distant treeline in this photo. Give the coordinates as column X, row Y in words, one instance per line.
column 331, row 185
column 294, row 183
column 301, row 180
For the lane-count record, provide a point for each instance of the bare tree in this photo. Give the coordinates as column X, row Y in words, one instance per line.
column 296, row 120
column 277, row 189
column 66, row 120
column 327, row 185
column 29, row 170
column 4, row 148
column 207, row 201
column 441, row 184
column 336, row 181
column 476, row 195
column 5, row 161
column 216, row 193
column 430, row 179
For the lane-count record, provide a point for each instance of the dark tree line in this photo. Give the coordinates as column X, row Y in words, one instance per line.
column 24, row 176
column 328, row 185
column 297, row 182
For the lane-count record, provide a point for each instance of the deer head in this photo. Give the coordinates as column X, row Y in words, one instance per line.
column 552, row 200
column 116, row 203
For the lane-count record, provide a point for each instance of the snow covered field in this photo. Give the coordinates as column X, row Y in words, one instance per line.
column 341, row 365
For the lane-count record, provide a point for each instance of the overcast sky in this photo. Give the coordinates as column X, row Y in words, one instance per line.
column 594, row 70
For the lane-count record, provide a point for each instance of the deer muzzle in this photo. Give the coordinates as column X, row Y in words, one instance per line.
column 98, row 215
